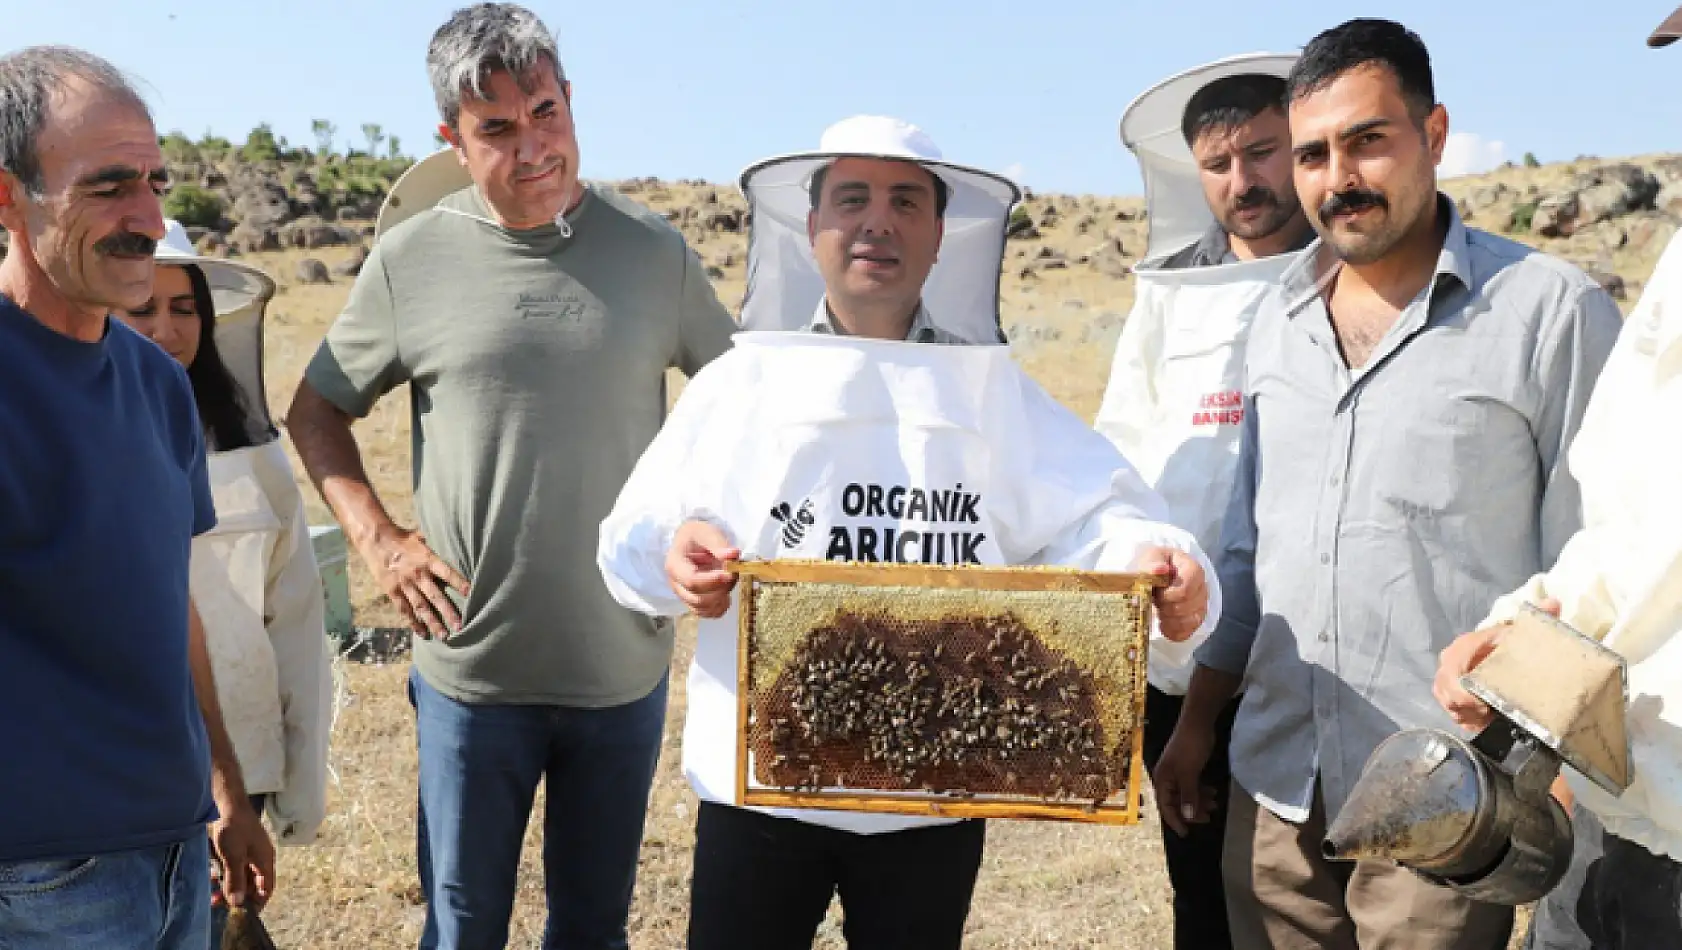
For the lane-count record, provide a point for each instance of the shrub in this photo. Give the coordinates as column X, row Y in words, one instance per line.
column 193, row 206
column 1522, row 215
column 260, row 145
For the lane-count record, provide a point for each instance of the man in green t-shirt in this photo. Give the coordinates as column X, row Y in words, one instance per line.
column 533, row 317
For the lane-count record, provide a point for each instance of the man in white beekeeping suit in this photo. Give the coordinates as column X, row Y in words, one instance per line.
column 1214, row 148
column 1619, row 580
column 834, row 430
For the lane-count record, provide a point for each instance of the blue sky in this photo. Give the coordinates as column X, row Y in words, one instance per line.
column 701, row 88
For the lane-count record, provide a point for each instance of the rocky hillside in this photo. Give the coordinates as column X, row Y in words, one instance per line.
column 1068, row 254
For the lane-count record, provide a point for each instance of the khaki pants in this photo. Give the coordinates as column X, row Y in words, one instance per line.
column 1282, row 894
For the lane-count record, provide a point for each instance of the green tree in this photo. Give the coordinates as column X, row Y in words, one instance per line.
column 214, row 146
column 324, row 131
column 260, row 145
column 178, row 148
column 1530, row 160
column 193, row 206
column 375, row 136
column 394, row 147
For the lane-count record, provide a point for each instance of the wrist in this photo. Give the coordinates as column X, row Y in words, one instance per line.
column 227, row 785
column 372, row 537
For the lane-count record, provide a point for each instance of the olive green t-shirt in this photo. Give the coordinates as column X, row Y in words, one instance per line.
column 536, row 369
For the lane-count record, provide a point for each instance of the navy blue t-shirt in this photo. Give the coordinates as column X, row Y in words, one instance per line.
column 102, row 488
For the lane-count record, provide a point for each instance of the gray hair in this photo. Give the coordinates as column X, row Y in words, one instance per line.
column 480, row 40
column 29, row 79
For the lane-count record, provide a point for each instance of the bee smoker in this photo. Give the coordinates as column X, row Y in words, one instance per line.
column 1477, row 816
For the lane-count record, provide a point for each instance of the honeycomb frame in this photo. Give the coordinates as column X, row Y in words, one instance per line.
column 1091, row 684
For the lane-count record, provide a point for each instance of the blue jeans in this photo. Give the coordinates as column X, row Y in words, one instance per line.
column 479, row 768
column 150, row 899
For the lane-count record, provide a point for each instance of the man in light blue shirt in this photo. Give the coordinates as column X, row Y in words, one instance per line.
column 1411, row 388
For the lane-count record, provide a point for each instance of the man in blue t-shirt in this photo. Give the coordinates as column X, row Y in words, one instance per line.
column 112, row 753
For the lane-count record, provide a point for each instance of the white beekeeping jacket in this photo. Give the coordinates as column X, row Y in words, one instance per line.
column 258, row 591
column 1175, row 394
column 1619, row 578
column 808, row 445
column 254, row 579
column 813, row 446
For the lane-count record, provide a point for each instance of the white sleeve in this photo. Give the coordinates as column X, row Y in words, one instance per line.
column 1111, row 516
column 661, row 494
column 295, row 610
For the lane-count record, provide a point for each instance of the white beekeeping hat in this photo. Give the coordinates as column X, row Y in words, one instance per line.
column 1151, row 130
column 962, row 292
column 241, row 294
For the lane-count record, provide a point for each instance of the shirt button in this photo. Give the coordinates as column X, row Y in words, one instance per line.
column 1325, row 559
column 1324, row 636
column 1336, row 481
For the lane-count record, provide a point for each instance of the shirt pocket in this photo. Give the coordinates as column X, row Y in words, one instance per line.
column 1443, row 446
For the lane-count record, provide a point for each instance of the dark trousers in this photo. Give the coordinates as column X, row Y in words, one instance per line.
column 480, row 765
column 765, row 883
column 1194, row 862
column 1616, row 895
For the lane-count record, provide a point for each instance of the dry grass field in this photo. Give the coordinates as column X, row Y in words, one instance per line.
column 1043, row 886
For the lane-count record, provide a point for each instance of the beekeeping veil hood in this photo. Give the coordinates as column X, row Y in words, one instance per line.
column 1151, row 130
column 420, row 187
column 961, row 295
column 1174, row 401
column 241, row 294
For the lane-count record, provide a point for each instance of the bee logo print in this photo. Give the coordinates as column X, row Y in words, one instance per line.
column 795, row 523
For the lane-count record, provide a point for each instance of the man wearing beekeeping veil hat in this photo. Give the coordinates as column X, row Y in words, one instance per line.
column 1214, row 148
column 815, row 437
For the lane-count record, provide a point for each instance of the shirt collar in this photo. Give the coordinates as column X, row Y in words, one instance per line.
column 922, row 328
column 1304, row 279
column 1215, row 247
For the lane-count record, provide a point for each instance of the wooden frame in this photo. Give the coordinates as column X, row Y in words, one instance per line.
column 929, row 804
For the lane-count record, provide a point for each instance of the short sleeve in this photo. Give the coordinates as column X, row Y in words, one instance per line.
column 358, row 362
column 198, row 479
column 704, row 325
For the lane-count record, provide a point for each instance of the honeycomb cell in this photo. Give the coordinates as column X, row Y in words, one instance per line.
column 954, row 692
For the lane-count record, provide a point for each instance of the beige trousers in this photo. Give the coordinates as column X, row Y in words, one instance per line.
column 1281, row 894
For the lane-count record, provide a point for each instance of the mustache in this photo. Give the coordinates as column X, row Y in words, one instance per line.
column 1258, row 196
column 1355, row 199
column 126, row 243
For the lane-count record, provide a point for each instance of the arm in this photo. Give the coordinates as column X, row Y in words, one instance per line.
column 295, row 617
column 1569, row 362
column 1221, row 659
column 237, row 838
column 237, row 834
column 704, row 325
column 1228, row 648
column 1101, row 516
column 357, row 363
column 1600, row 560
column 669, row 487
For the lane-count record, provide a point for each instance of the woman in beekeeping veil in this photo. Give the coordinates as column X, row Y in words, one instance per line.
column 254, row 576
column 867, row 412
